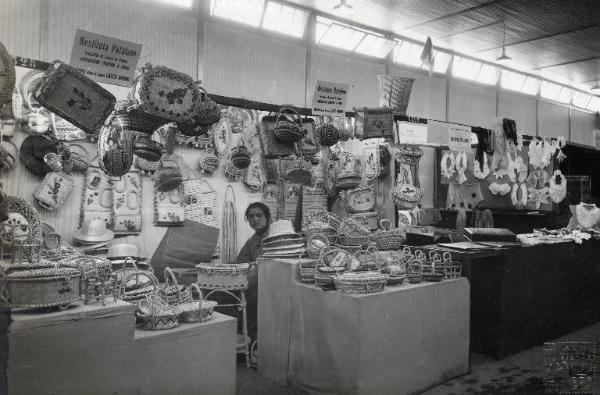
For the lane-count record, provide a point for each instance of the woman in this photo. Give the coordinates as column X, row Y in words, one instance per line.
column 259, row 219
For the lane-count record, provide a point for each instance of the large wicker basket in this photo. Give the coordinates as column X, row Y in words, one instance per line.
column 360, row 282
column 230, row 276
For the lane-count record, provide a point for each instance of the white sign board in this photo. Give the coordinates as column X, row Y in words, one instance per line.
column 105, row 59
column 330, row 98
column 459, row 137
column 412, row 133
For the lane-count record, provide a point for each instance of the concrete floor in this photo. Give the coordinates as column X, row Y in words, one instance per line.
column 521, row 373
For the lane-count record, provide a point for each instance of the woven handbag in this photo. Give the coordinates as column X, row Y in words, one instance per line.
column 155, row 314
column 7, row 75
column 328, row 134
column 271, row 147
column 209, row 161
column 172, row 293
column 76, row 98
column 166, row 94
column 54, row 189
column 115, row 146
column 288, row 126
column 206, row 114
column 240, row 157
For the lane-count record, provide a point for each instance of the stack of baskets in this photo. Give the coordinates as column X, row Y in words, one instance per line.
column 307, row 268
column 333, row 261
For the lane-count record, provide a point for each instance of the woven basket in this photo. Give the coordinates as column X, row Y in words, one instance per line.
column 369, row 259
column 155, row 314
column 360, row 283
column 368, row 219
column 174, row 294
column 335, row 257
column 115, row 146
column 43, row 286
column 297, row 170
column 7, row 75
column 315, row 243
column 132, row 284
column 328, row 134
column 148, row 149
column 198, row 310
column 23, row 225
column 324, row 277
column 230, row 276
column 240, row 157
column 307, row 270
column 406, row 196
column 206, row 114
column 414, row 271
column 288, row 126
column 387, row 238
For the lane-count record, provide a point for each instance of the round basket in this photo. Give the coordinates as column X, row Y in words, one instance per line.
column 230, row 276
column 369, row 259
column 360, row 282
column 174, row 294
column 315, row 243
column 136, row 286
column 324, row 277
column 288, row 126
column 335, row 257
column 198, row 310
column 328, row 134
column 155, row 314
column 359, row 200
column 240, row 157
column 307, row 270
column 388, row 239
column 44, row 286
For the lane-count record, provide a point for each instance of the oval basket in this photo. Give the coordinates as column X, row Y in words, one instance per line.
column 198, row 310
column 360, row 282
column 230, row 276
column 359, row 200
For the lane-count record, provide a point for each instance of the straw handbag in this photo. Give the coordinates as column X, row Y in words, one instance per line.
column 206, row 114
column 395, row 92
column 359, row 200
column 288, row 126
column 52, row 192
column 115, row 146
column 155, row 314
column 76, row 98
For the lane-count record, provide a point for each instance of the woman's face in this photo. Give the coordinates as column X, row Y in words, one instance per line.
column 256, row 219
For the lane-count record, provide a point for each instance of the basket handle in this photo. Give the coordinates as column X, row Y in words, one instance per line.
column 170, row 279
column 195, row 287
column 288, row 110
column 385, row 224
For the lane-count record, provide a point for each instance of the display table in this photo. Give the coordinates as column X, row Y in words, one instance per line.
column 96, row 349
column 403, row 340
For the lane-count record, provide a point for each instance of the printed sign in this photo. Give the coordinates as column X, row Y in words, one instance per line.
column 459, row 137
column 105, row 59
column 330, row 98
column 412, row 133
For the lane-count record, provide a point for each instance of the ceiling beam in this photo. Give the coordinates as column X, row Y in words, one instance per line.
column 471, row 29
column 569, row 62
column 453, row 14
column 550, row 35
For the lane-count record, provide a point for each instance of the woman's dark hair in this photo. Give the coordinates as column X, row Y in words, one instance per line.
column 261, row 206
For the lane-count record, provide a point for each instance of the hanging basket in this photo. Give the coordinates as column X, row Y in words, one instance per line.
column 115, row 146
column 288, row 126
column 359, row 200
column 206, row 114
column 240, row 157
column 407, row 196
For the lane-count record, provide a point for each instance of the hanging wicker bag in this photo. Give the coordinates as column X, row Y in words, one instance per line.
column 387, row 238
column 288, row 126
column 174, row 294
column 155, row 314
column 115, row 146
column 207, row 113
column 240, row 157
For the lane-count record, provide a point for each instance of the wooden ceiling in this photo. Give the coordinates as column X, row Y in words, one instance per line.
column 554, row 38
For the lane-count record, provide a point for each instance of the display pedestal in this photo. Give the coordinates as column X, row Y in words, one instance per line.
column 95, row 349
column 403, row 340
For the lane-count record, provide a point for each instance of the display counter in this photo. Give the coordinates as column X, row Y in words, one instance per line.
column 96, row 349
column 323, row 341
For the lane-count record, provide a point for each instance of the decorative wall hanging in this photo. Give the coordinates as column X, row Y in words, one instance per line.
column 207, row 113
column 499, row 159
column 200, row 204
column 7, row 75
column 221, row 133
column 394, row 91
column 253, row 177
column 166, row 93
column 52, row 192
column 288, row 126
column 96, row 197
column 465, row 195
column 519, row 196
column 65, row 131
column 461, row 167
column 481, row 171
column 558, row 187
column 76, row 98
column 168, row 207
column 447, row 164
column 115, row 146
column 370, row 161
column 127, row 203
column 374, row 122
column 309, row 146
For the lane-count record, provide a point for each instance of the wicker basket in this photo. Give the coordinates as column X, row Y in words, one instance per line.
column 407, row 196
column 369, row 259
column 324, row 277
column 206, row 114
column 230, row 276
column 132, row 284
column 115, row 146
column 240, row 157
column 335, row 257
column 199, row 310
column 452, row 268
column 43, row 286
column 209, row 161
column 307, row 270
column 414, row 271
column 328, row 134
column 155, row 314
column 315, row 243
column 360, row 283
column 387, row 238
column 359, row 200
column 288, row 126
column 174, row 294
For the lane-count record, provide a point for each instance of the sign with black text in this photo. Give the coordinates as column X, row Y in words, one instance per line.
column 105, row 59
column 459, row 137
column 330, row 98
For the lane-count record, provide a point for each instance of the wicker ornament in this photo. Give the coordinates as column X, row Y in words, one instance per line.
column 115, row 146
column 328, row 134
column 288, row 126
column 53, row 190
column 76, row 98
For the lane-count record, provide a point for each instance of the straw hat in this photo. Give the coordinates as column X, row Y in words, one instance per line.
column 93, row 231
column 282, row 230
column 122, row 251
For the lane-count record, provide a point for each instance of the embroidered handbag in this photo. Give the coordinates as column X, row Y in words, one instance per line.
column 127, row 203
column 208, row 162
column 166, row 94
column 168, row 207
column 309, row 145
column 76, row 98
column 54, row 189
column 115, row 146
column 288, row 126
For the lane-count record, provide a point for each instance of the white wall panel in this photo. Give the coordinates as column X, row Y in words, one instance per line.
column 471, row 104
column 428, row 96
column 553, row 120
column 168, row 38
column 360, row 74
column 582, row 127
column 521, row 109
column 240, row 63
column 20, row 27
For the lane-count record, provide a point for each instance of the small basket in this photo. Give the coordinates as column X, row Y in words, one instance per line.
column 407, row 196
column 288, row 126
column 324, row 277
column 359, row 200
column 240, row 157
column 387, row 238
column 369, row 259
column 230, row 276
column 414, row 271
column 307, row 270
column 155, row 314
column 360, row 283
column 315, row 243
column 209, row 162
column 452, row 268
column 199, row 310
column 174, row 294
column 136, row 286
column 207, row 113
column 335, row 257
